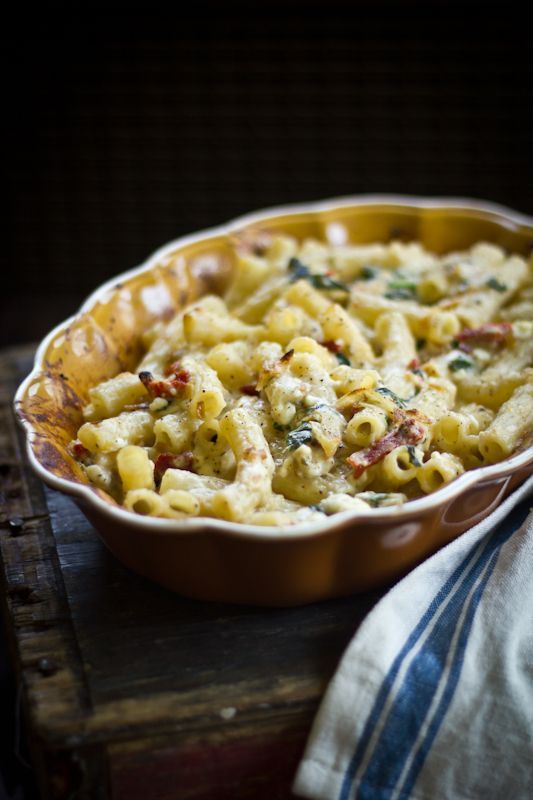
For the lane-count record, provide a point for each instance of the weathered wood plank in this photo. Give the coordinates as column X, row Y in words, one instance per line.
column 42, row 635
column 236, row 764
column 156, row 659
column 134, row 628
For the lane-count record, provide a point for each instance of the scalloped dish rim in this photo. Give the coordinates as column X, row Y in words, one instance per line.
column 506, row 217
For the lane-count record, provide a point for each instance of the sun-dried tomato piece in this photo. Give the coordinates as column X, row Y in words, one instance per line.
column 166, row 461
column 79, row 451
column 173, row 368
column 250, row 389
column 333, row 345
column 167, row 388
column 492, row 333
column 408, row 431
column 180, row 379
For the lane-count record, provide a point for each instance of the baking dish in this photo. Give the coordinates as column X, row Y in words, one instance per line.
column 235, row 562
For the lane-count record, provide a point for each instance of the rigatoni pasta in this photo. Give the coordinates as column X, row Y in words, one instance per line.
column 327, row 379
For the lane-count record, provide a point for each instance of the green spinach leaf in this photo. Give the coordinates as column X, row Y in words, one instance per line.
column 303, row 434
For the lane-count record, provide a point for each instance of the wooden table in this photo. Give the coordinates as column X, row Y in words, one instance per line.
column 130, row 691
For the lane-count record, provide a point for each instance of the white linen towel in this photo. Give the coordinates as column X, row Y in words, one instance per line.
column 433, row 699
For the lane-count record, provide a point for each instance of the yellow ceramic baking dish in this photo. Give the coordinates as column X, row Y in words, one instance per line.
column 234, row 562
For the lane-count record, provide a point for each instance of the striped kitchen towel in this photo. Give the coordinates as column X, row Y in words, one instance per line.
column 433, row 699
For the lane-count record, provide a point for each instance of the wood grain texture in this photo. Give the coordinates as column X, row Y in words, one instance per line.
column 125, row 683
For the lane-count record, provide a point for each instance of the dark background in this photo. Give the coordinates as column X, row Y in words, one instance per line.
column 124, row 130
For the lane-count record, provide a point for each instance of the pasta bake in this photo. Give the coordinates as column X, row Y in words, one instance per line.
column 328, row 378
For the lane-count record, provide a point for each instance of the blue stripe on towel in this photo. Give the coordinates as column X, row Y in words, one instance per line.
column 451, row 684
column 509, row 526
column 389, row 679
column 423, row 676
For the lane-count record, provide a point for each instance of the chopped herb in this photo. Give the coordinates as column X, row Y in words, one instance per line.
column 461, row 362
column 420, row 343
column 342, row 359
column 399, row 294
column 325, row 282
column 374, row 498
column 315, row 507
column 392, row 395
column 494, row 283
column 303, row 434
column 299, row 270
column 402, row 283
column 401, row 289
column 368, row 273
column 413, row 458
